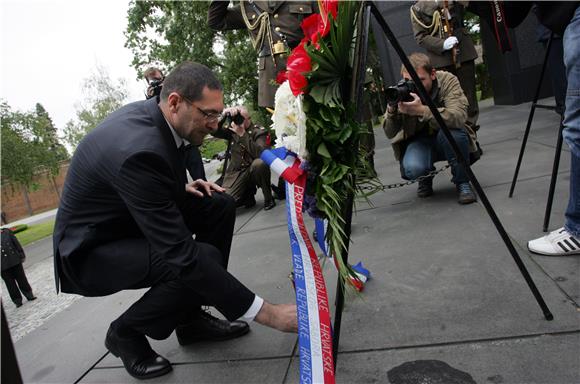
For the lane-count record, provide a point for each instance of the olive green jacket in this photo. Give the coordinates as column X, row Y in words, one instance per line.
column 452, row 105
column 285, row 18
column 431, row 39
column 243, row 150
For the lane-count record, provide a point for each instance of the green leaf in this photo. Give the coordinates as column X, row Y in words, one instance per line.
column 323, row 151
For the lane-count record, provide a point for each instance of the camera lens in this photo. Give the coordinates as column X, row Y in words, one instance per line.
column 392, row 95
column 238, row 119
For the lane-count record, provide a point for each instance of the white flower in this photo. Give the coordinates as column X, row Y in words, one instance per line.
column 289, row 121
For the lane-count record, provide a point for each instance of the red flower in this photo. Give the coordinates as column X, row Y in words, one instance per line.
column 297, row 65
column 314, row 26
column 330, row 6
column 281, row 77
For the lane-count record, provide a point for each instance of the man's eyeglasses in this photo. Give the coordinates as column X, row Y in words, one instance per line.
column 209, row 116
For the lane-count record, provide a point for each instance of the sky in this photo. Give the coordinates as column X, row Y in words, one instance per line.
column 48, row 47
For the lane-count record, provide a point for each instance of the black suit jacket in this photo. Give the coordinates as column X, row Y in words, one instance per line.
column 125, row 181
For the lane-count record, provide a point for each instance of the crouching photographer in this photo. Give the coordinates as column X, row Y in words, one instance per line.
column 245, row 170
column 415, row 135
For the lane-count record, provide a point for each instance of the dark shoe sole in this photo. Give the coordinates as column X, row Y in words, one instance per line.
column 466, row 201
column 196, row 339
column 267, row 207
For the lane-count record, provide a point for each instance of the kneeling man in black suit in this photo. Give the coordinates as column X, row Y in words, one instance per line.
column 126, row 220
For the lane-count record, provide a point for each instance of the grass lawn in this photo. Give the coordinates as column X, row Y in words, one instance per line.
column 35, row 232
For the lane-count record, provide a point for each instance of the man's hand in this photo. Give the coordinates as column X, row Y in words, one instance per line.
column 237, row 129
column 412, row 108
column 201, row 187
column 282, row 317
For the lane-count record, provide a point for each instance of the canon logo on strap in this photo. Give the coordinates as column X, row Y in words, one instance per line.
column 498, row 16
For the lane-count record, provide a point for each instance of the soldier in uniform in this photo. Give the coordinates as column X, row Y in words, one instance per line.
column 274, row 28
column 12, row 271
column 245, row 170
column 428, row 21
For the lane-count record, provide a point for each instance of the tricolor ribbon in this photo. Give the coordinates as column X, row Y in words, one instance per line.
column 314, row 327
column 362, row 273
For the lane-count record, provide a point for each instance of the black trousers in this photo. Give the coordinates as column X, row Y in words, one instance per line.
column 174, row 299
column 16, row 281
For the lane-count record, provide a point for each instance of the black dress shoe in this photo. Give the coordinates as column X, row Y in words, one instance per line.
column 247, row 202
column 269, row 205
column 209, row 328
column 18, row 304
column 138, row 358
column 29, row 296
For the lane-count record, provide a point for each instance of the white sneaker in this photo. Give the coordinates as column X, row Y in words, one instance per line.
column 558, row 243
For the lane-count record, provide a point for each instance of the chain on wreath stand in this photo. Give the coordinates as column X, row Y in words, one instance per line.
column 402, row 184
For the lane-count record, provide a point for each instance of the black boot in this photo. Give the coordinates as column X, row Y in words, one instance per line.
column 425, row 188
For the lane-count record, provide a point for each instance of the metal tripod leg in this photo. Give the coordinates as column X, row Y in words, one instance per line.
column 554, row 176
column 531, row 116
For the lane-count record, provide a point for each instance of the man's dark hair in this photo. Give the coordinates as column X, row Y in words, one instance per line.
column 189, row 80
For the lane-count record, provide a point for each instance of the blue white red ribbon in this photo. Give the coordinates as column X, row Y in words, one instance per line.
column 362, row 273
column 283, row 162
column 314, row 327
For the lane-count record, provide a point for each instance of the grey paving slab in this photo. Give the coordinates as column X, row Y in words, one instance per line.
column 260, row 343
column 66, row 346
column 444, row 275
column 500, row 159
column 523, row 216
column 247, row 371
column 543, row 359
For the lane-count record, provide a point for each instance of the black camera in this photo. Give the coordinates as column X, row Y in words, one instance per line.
column 154, row 88
column 237, row 119
column 400, row 92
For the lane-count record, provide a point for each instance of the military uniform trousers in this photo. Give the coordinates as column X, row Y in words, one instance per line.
column 256, row 175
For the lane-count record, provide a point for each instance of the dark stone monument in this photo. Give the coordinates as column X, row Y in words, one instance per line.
column 514, row 75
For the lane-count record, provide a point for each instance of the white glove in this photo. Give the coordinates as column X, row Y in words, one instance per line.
column 450, row 43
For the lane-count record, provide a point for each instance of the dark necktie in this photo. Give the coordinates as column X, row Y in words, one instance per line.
column 183, row 152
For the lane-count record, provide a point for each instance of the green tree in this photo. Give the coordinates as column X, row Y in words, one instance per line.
column 46, row 130
column 165, row 33
column 103, row 96
column 29, row 143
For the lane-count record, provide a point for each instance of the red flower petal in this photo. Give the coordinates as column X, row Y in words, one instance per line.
column 297, row 64
column 330, row 6
column 310, row 26
column 281, row 77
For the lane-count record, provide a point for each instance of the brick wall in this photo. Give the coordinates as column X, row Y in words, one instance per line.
column 43, row 195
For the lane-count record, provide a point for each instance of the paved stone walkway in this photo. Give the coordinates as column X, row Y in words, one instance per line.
column 33, row 314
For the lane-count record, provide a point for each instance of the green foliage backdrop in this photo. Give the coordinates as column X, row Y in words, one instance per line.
column 29, row 142
column 165, row 33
